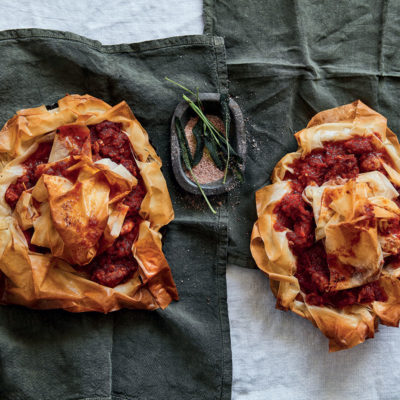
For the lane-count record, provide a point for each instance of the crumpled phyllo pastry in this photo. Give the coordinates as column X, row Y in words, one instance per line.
column 328, row 228
column 82, row 199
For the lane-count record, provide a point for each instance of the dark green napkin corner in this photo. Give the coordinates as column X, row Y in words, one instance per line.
column 182, row 352
column 288, row 60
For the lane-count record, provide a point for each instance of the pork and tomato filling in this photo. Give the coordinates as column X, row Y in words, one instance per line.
column 337, row 178
column 113, row 262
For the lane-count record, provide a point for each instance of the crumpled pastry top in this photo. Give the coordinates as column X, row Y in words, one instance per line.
column 77, row 206
column 328, row 227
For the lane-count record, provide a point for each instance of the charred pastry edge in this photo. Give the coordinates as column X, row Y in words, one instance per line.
column 153, row 287
column 352, row 325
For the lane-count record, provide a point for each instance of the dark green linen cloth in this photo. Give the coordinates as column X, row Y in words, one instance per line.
column 288, row 60
column 182, row 352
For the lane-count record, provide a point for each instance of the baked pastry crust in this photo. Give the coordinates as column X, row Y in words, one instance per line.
column 342, row 224
column 44, row 281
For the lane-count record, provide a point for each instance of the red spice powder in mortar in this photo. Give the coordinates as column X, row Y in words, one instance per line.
column 206, row 170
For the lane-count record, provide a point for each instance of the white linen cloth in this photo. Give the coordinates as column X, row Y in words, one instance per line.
column 276, row 355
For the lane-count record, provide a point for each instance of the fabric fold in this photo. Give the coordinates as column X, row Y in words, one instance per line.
column 118, row 355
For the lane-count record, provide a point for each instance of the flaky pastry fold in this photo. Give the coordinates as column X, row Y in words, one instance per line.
column 349, row 215
column 74, row 217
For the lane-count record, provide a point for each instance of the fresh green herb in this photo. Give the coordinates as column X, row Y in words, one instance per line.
column 198, row 98
column 212, row 129
column 198, row 134
column 184, row 141
column 185, row 158
column 209, row 136
column 181, row 86
column 214, row 153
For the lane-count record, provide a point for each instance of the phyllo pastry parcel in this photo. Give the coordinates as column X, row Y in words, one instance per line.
column 82, row 199
column 328, row 228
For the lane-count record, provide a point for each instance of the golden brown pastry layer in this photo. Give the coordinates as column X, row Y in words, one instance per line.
column 77, row 215
column 328, row 228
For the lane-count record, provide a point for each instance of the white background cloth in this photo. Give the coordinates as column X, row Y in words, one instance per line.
column 276, row 355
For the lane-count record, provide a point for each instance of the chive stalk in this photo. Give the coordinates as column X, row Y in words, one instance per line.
column 181, row 86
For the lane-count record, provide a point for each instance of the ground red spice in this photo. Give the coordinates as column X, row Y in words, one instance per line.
column 344, row 159
column 205, row 171
column 116, row 264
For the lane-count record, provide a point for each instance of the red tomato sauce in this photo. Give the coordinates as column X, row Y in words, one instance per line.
column 116, row 264
column 313, row 275
column 75, row 136
column 29, row 179
column 294, row 213
column 108, row 141
column 390, row 227
column 60, row 168
column 344, row 159
column 394, row 261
